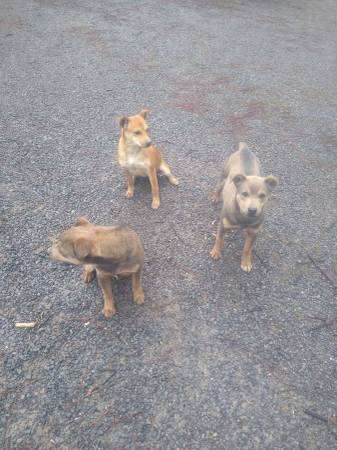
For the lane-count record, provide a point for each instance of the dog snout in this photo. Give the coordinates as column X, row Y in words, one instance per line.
column 252, row 211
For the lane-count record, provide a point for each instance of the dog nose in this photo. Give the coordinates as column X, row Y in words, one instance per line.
column 148, row 143
column 252, row 211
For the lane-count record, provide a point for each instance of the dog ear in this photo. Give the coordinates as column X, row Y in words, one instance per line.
column 143, row 113
column 82, row 247
column 238, row 179
column 81, row 221
column 271, row 182
column 123, row 121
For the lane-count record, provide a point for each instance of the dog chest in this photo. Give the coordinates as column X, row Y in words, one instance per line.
column 135, row 163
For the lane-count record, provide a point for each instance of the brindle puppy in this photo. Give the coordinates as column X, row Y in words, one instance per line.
column 106, row 252
column 244, row 193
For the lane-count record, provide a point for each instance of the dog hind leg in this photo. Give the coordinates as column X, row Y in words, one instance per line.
column 137, row 290
column 167, row 172
column 154, row 188
column 105, row 283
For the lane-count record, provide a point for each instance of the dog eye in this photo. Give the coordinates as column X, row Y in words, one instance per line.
column 137, row 133
column 262, row 196
column 245, row 194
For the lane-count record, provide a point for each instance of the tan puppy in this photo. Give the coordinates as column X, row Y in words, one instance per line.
column 106, row 251
column 244, row 193
column 139, row 158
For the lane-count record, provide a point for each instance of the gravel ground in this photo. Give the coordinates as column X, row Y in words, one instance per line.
column 216, row 358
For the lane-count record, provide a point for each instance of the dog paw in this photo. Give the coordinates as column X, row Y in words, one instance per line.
column 215, row 254
column 155, row 204
column 246, row 266
column 108, row 313
column 174, row 181
column 129, row 194
column 139, row 298
column 88, row 276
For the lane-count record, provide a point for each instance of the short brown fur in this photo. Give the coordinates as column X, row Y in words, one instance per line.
column 105, row 252
column 138, row 157
column 244, row 193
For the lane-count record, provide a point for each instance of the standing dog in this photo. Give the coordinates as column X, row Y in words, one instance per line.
column 244, row 193
column 139, row 158
column 106, row 251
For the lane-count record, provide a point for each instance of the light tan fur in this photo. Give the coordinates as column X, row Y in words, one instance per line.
column 105, row 252
column 139, row 158
column 244, row 193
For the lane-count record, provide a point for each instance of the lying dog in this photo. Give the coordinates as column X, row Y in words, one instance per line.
column 244, row 193
column 106, row 251
column 139, row 158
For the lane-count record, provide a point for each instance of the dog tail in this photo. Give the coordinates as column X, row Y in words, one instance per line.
column 242, row 146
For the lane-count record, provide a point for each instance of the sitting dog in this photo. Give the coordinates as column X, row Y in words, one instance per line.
column 106, row 252
column 138, row 157
column 244, row 193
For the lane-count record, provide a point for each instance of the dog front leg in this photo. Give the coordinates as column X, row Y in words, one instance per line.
column 219, row 241
column 131, row 184
column 105, row 283
column 246, row 258
column 88, row 273
column 154, row 188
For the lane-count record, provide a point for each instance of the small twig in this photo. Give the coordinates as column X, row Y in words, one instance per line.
column 328, row 323
column 42, row 321
column 325, row 275
column 95, row 386
column 187, row 270
column 165, row 141
column 315, row 416
column 265, row 265
column 109, row 378
column 329, row 420
column 256, row 309
column 91, row 390
column 98, row 419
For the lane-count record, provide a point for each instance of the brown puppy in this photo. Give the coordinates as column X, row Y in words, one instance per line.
column 244, row 193
column 106, row 251
column 139, row 158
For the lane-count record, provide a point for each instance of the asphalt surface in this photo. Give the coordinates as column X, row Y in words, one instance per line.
column 216, row 358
